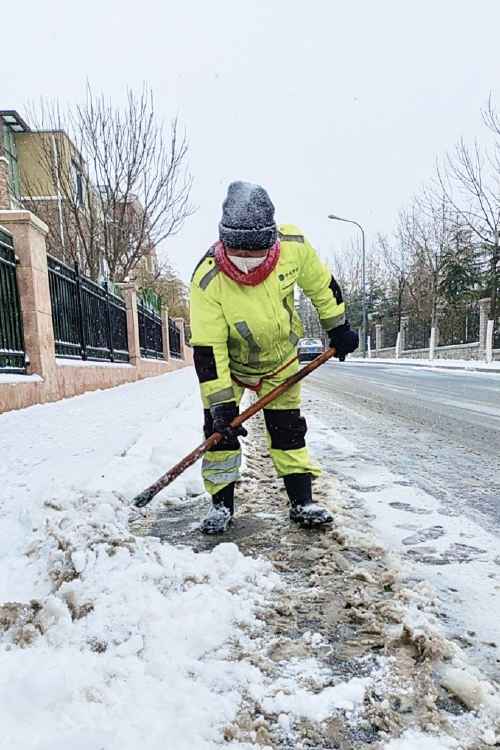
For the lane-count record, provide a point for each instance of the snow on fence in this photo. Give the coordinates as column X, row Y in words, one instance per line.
column 90, row 322
column 12, row 355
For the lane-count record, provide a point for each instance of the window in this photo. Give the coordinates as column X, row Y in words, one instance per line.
column 77, row 184
column 9, row 146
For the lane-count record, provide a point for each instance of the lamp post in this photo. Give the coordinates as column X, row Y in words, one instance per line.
column 363, row 282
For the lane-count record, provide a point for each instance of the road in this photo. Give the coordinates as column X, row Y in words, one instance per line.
column 419, row 450
column 439, row 428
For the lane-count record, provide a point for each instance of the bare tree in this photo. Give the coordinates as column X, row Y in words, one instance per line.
column 121, row 176
column 396, row 256
column 426, row 232
column 169, row 288
column 470, row 180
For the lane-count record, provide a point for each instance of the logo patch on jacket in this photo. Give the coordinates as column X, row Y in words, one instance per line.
column 283, row 276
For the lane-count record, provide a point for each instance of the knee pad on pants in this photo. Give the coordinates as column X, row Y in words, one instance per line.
column 286, row 428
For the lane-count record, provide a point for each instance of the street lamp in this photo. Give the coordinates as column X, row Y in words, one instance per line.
column 365, row 324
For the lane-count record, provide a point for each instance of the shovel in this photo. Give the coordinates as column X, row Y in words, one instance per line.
column 148, row 494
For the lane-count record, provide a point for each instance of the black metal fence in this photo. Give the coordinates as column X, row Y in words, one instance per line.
column 372, row 334
column 89, row 321
column 391, row 330
column 12, row 356
column 418, row 334
column 496, row 335
column 150, row 332
column 460, row 325
column 174, row 339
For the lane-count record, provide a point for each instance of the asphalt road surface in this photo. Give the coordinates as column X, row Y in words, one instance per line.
column 438, row 428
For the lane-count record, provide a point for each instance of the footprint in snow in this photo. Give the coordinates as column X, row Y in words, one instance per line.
column 407, row 526
column 410, row 508
column 424, row 535
column 455, row 553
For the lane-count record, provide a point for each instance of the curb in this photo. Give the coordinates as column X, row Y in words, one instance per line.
column 427, row 363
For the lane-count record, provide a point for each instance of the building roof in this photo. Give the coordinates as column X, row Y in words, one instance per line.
column 14, row 120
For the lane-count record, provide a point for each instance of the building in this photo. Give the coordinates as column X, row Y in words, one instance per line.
column 43, row 171
column 47, row 175
column 11, row 125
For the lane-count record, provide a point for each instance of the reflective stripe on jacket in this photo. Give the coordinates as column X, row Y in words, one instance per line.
column 253, row 330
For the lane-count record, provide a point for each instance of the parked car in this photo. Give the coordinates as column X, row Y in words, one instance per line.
column 309, row 349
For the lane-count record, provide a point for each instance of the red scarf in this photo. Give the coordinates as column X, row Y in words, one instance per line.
column 254, row 277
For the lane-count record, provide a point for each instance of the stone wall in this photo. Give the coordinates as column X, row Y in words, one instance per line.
column 476, row 351
column 469, row 352
column 459, row 351
column 386, row 353
column 49, row 378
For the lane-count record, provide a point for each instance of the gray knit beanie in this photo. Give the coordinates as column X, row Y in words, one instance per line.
column 247, row 218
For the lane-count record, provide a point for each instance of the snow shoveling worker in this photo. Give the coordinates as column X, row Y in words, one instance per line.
column 245, row 332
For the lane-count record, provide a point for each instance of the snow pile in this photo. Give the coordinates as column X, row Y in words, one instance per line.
column 124, row 649
column 130, row 644
column 412, row 740
column 108, row 640
column 318, row 706
column 474, row 692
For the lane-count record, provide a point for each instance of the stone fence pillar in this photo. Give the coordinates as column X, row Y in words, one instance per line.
column 484, row 314
column 180, row 325
column 433, row 342
column 165, row 332
column 405, row 321
column 134, row 346
column 361, row 341
column 29, row 234
column 379, row 336
column 489, row 341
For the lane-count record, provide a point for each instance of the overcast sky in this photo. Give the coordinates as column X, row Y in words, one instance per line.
column 333, row 105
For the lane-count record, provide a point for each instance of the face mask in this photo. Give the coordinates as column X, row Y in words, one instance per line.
column 246, row 264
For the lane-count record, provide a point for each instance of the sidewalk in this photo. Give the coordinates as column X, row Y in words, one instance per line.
column 435, row 364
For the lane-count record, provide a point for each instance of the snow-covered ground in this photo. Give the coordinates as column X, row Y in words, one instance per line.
column 110, row 640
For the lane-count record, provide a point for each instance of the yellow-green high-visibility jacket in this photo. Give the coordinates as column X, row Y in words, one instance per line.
column 252, row 330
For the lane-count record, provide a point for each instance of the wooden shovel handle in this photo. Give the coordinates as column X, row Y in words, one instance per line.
column 148, row 494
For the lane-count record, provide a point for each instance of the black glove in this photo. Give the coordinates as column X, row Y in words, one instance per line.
column 343, row 340
column 222, row 416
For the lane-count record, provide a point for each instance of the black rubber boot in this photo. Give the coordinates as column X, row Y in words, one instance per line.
column 303, row 511
column 221, row 512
